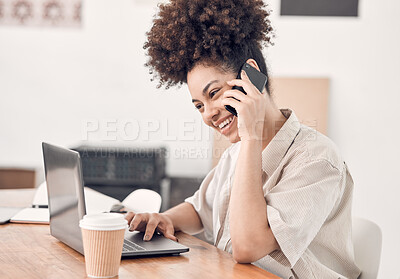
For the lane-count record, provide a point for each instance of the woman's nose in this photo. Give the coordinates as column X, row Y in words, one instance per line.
column 211, row 112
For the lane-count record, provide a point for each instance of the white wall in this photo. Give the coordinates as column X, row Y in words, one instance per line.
column 54, row 81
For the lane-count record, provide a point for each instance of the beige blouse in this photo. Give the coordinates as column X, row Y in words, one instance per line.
column 308, row 191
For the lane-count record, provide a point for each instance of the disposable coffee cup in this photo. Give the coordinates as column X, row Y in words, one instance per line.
column 103, row 238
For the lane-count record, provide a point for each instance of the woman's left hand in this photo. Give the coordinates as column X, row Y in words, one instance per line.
column 250, row 108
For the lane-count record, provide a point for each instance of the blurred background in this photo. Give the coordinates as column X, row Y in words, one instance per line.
column 79, row 79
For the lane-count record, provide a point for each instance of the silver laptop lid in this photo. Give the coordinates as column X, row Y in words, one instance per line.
column 63, row 172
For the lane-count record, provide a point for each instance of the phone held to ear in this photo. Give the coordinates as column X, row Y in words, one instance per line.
column 256, row 77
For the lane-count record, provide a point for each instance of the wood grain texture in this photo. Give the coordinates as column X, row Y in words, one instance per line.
column 29, row 251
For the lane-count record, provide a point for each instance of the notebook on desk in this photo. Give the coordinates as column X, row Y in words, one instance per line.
column 66, row 199
column 39, row 213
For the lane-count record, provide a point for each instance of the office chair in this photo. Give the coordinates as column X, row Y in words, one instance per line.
column 367, row 239
column 143, row 200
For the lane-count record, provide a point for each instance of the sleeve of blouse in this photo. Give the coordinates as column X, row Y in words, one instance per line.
column 199, row 202
column 300, row 203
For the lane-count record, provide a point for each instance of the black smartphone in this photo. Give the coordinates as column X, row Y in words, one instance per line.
column 256, row 77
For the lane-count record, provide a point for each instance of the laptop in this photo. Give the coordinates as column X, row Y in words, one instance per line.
column 63, row 171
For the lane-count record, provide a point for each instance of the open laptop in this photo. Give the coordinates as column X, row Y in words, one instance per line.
column 67, row 207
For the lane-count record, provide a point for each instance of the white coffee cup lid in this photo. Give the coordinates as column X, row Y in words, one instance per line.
column 104, row 222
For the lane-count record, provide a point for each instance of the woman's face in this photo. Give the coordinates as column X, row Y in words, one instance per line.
column 207, row 86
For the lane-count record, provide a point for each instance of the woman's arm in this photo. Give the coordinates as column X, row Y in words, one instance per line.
column 185, row 218
column 251, row 235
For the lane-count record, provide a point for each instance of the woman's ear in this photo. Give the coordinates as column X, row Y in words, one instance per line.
column 253, row 63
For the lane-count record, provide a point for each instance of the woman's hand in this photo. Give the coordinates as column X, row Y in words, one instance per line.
column 149, row 223
column 250, row 108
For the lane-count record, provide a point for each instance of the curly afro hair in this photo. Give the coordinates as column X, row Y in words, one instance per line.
column 222, row 33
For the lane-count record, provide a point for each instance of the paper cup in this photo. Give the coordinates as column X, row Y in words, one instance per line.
column 103, row 238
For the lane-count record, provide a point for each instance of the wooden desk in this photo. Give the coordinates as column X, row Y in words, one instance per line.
column 29, row 251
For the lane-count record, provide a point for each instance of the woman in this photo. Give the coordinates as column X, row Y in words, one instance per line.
column 280, row 196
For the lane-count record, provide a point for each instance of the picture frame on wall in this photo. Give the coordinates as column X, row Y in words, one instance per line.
column 41, row 13
column 345, row 8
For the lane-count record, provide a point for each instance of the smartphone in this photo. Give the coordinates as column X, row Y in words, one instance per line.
column 256, row 77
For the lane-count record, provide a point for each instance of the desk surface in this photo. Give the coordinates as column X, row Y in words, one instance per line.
column 29, row 251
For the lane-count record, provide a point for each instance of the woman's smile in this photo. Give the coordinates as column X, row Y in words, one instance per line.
column 226, row 127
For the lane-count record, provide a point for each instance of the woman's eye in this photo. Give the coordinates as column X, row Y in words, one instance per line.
column 198, row 106
column 213, row 93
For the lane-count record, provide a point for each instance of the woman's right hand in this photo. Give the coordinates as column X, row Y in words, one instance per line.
column 150, row 223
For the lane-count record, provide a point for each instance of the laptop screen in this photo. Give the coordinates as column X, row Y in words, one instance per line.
column 65, row 193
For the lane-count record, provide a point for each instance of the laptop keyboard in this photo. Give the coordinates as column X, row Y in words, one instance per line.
column 130, row 246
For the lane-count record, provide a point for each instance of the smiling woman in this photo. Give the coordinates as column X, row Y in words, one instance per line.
column 280, row 196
